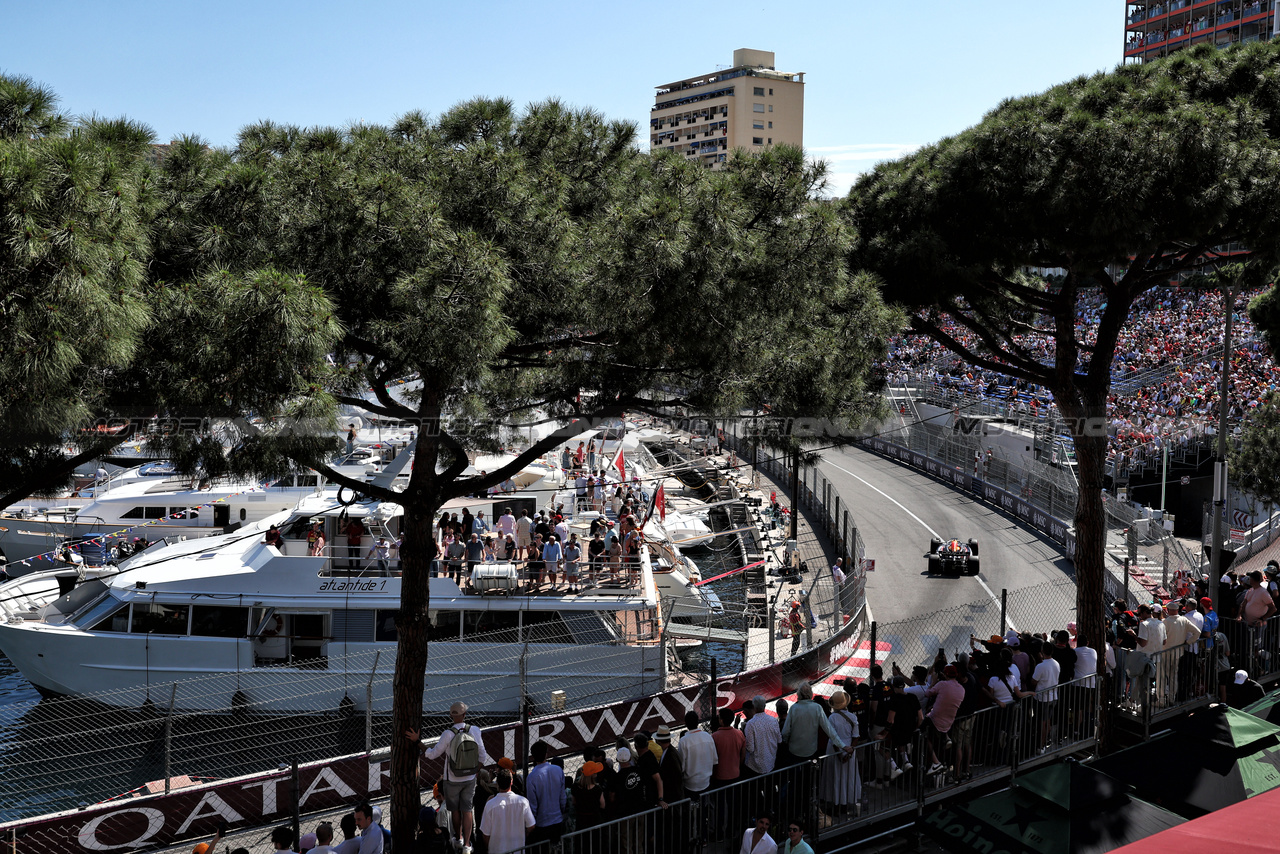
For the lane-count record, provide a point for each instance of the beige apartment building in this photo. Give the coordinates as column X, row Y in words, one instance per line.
column 751, row 105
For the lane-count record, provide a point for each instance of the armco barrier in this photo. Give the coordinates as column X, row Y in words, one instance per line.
column 1058, row 530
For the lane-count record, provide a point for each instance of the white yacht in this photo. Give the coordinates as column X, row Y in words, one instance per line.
column 153, row 507
column 263, row 620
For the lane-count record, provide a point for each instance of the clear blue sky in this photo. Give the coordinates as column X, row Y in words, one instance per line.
column 881, row 77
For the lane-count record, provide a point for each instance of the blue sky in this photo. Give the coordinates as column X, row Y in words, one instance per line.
column 881, row 77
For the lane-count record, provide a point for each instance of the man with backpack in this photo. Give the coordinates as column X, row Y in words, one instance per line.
column 463, row 748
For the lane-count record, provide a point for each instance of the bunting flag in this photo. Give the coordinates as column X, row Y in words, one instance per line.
column 620, row 464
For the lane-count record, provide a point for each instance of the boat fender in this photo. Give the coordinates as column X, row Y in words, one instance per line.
column 239, row 703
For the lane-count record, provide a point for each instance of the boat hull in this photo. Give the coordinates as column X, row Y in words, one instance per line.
column 218, row 674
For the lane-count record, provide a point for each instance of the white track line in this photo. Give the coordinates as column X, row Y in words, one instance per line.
column 923, row 524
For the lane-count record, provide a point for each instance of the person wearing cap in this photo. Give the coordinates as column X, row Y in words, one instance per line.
column 210, row 846
column 1242, row 690
column 307, row 842
column 589, row 798
column 458, row 789
column 507, row 818
column 840, row 784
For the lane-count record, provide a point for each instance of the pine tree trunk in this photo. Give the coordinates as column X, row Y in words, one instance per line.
column 411, row 662
column 1091, row 536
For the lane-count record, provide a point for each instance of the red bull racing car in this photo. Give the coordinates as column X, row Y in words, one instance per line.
column 953, row 556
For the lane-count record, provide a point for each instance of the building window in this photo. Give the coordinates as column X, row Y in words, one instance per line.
column 771, row 108
column 770, row 91
column 757, row 140
column 770, row 125
column 760, row 125
column 759, row 92
column 757, row 108
column 771, row 140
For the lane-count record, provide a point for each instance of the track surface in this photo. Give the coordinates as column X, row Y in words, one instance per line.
column 895, row 507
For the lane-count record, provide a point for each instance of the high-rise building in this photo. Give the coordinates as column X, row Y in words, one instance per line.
column 1156, row 28
column 750, row 105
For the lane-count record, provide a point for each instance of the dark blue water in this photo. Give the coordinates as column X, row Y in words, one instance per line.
column 13, row 689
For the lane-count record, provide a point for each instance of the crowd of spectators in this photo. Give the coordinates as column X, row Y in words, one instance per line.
column 1167, row 368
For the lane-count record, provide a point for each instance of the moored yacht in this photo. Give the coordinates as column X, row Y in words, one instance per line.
column 155, row 507
column 259, row 620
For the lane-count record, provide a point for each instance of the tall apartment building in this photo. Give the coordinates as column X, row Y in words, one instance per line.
column 1156, row 28
column 751, row 105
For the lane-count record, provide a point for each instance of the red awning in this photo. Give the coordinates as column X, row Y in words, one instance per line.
column 1243, row 828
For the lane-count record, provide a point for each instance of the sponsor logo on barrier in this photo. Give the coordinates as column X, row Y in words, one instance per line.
column 193, row 813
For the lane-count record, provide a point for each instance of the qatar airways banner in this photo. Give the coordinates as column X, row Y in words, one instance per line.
column 193, row 813
column 1056, row 529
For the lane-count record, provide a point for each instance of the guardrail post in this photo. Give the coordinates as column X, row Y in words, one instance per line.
column 168, row 738
column 296, row 790
column 368, row 706
column 873, row 643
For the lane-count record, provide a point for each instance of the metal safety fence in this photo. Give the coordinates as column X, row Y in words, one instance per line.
column 72, row 752
column 893, row 770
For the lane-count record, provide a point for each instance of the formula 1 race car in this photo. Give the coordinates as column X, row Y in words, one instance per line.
column 953, row 556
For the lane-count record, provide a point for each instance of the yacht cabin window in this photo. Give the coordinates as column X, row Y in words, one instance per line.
column 144, row 513
column 159, row 618
column 219, row 621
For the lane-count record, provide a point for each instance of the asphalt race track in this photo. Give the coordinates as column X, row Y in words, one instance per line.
column 898, row 510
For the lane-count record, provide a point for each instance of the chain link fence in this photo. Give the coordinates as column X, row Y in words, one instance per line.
column 71, row 752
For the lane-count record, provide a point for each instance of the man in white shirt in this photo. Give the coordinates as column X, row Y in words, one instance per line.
column 1178, row 632
column 1045, row 677
column 507, row 524
column 762, row 736
column 1150, row 643
column 697, row 755
column 458, row 788
column 507, row 818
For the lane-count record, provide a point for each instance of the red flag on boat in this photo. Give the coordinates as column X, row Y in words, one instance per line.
column 660, row 503
column 620, row 465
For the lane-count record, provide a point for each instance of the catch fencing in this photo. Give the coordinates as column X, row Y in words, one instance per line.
column 1159, row 563
column 65, row 753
